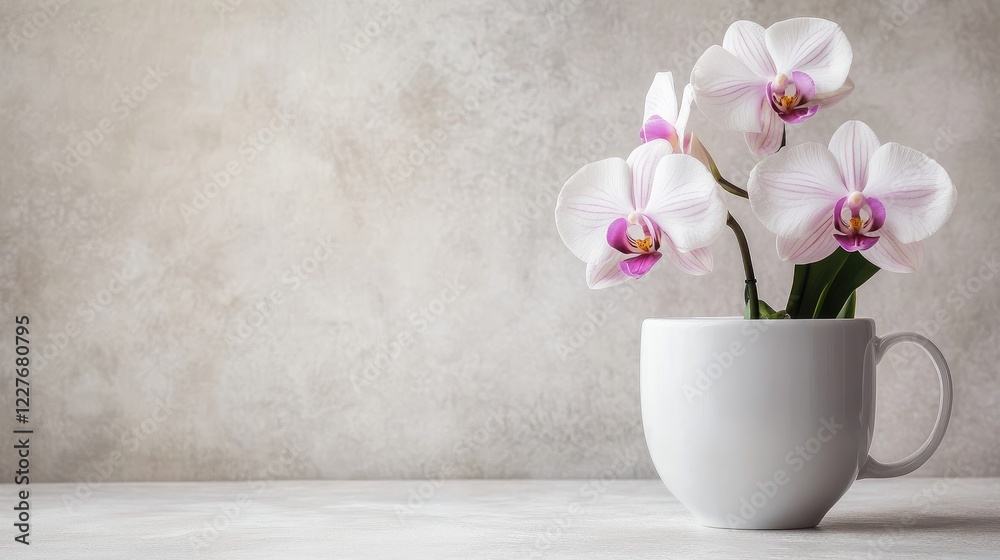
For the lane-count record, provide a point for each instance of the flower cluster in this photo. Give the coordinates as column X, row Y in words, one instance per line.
column 846, row 210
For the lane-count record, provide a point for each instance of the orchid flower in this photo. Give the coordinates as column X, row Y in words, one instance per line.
column 857, row 194
column 621, row 216
column 663, row 119
column 759, row 79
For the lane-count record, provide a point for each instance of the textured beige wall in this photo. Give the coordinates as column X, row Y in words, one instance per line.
column 279, row 243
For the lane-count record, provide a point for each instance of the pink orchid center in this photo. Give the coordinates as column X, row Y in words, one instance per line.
column 638, row 237
column 641, row 234
column 784, row 94
column 658, row 128
column 855, row 218
column 790, row 96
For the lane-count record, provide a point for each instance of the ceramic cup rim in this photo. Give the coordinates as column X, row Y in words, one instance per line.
column 774, row 322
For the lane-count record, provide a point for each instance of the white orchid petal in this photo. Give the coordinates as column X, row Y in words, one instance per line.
column 661, row 99
column 643, row 161
column 853, row 145
column 696, row 262
column 686, row 202
column 816, row 246
column 745, row 39
column 590, row 200
column 727, row 91
column 793, row 189
column 768, row 140
column 815, row 46
column 834, row 97
column 915, row 190
column 604, row 272
column 895, row 256
column 684, row 112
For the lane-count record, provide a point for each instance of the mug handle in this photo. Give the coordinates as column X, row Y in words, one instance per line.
column 875, row 469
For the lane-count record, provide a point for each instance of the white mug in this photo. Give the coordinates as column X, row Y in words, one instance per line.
column 765, row 424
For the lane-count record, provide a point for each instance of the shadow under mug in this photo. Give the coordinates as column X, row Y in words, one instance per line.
column 765, row 424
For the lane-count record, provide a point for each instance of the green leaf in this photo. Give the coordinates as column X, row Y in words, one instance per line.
column 766, row 311
column 811, row 283
column 798, row 286
column 856, row 271
column 847, row 312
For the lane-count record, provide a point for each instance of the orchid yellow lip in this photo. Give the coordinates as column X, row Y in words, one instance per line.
column 857, row 219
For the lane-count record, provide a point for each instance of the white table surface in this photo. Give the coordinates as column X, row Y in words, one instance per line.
column 902, row 518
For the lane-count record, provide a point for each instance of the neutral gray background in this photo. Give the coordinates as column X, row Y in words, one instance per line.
column 378, row 289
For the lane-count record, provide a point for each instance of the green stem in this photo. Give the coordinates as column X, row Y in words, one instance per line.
column 731, row 188
column 750, row 296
